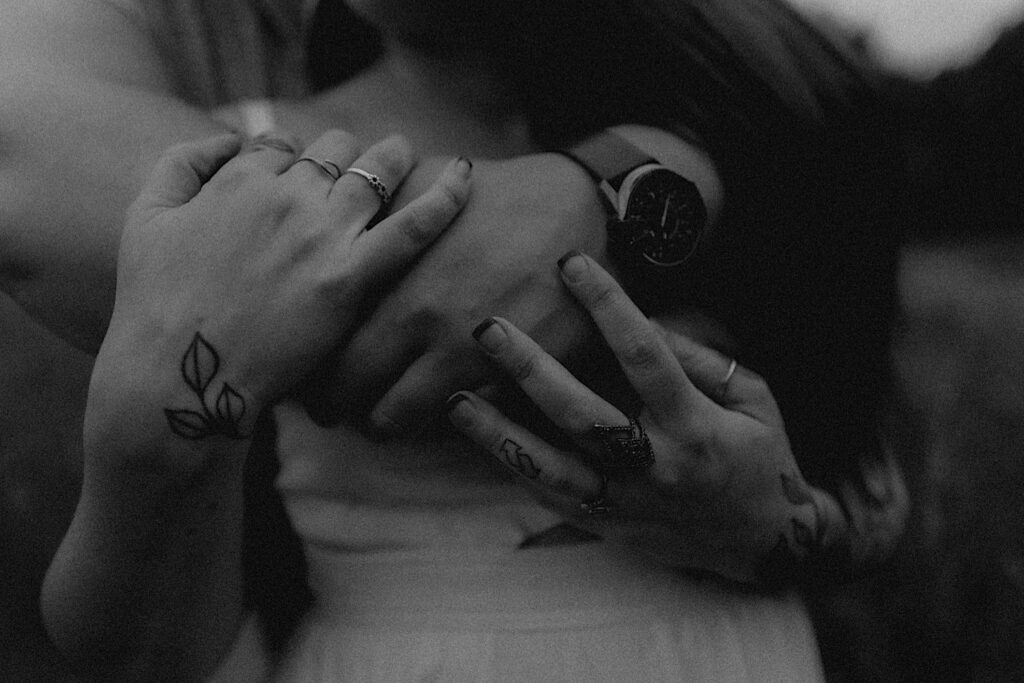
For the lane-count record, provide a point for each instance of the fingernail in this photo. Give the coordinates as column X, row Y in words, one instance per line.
column 464, row 165
column 459, row 417
column 573, row 266
column 490, row 334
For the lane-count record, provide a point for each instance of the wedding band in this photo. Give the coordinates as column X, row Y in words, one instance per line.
column 625, row 450
column 375, row 182
column 326, row 165
column 723, row 386
column 599, row 504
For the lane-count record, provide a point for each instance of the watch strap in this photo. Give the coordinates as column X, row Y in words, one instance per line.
column 607, row 156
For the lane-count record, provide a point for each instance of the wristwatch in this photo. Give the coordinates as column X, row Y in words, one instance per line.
column 656, row 216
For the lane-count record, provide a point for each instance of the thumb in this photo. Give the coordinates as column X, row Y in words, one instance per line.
column 180, row 172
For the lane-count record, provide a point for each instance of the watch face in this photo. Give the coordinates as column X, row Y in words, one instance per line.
column 663, row 218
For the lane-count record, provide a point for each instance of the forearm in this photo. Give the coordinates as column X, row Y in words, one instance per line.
column 85, row 110
column 147, row 583
column 73, row 158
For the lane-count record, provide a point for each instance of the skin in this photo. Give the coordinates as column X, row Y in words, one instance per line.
column 147, row 582
column 209, row 507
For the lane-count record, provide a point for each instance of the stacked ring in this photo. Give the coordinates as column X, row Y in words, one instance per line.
column 326, row 165
column 599, row 504
column 375, row 182
column 625, row 450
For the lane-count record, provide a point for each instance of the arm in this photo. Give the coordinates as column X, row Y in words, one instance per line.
column 235, row 274
column 413, row 351
column 85, row 110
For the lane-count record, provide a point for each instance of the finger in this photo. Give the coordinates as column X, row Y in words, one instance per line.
column 398, row 239
column 419, row 394
column 718, row 376
column 370, row 363
column 388, row 162
column 564, row 399
column 349, row 382
column 273, row 151
column 649, row 365
column 321, row 163
column 182, row 170
column 546, row 470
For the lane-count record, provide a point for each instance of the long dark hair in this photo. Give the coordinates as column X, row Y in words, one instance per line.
column 805, row 135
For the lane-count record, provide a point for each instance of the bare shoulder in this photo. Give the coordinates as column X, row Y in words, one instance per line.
column 105, row 39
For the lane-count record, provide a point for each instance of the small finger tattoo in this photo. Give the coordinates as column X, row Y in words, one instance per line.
column 514, row 456
column 804, row 544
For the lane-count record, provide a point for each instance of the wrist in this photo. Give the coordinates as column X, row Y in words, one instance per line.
column 170, row 402
column 584, row 210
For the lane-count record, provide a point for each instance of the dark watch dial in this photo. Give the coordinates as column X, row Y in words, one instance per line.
column 664, row 219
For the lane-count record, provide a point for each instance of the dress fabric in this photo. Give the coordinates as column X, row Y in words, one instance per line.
column 432, row 587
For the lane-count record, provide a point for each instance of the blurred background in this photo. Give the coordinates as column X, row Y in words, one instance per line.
column 951, row 604
column 920, row 37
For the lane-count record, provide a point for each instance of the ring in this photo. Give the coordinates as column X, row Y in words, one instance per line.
column 723, row 386
column 268, row 141
column 599, row 504
column 624, row 450
column 326, row 165
column 375, row 182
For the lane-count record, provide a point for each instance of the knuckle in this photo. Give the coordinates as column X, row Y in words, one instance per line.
column 522, row 366
column 335, row 138
column 641, row 351
column 280, row 199
column 558, row 481
column 174, row 163
column 602, row 296
column 417, row 225
column 394, row 157
column 448, row 201
column 578, row 419
column 231, row 177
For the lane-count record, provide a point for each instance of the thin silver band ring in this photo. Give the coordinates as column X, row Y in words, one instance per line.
column 326, row 165
column 723, row 386
column 599, row 503
column 375, row 182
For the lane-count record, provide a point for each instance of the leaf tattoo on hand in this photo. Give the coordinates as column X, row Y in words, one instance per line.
column 199, row 366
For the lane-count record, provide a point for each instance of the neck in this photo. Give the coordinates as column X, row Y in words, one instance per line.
column 447, row 99
column 451, row 79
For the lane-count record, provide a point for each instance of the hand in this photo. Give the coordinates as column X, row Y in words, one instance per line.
column 248, row 264
column 498, row 256
column 723, row 493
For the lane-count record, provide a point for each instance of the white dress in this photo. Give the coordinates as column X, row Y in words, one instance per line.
column 417, row 574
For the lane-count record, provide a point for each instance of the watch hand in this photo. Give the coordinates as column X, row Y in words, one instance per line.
column 664, row 215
